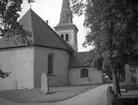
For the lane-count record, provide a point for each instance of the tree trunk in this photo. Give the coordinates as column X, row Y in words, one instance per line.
column 111, row 75
column 116, row 86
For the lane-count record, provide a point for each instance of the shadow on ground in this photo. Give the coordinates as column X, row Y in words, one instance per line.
column 125, row 101
column 128, row 98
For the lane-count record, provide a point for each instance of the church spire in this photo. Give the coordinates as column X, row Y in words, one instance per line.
column 65, row 28
column 66, row 14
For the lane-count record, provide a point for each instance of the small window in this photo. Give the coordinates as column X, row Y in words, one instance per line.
column 84, row 73
column 62, row 36
column 67, row 37
column 50, row 64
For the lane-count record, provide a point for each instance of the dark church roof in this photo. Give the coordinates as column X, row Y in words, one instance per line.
column 78, row 60
column 43, row 34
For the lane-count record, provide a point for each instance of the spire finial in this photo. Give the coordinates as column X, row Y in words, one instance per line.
column 30, row 3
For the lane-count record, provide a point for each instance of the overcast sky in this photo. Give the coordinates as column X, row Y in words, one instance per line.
column 50, row 10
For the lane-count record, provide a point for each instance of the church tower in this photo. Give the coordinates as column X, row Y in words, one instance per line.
column 65, row 28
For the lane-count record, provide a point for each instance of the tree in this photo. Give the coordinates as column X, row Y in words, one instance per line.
column 9, row 26
column 112, row 30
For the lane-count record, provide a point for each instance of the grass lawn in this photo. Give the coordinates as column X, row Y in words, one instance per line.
column 36, row 96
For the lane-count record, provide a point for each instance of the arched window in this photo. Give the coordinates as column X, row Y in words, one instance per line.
column 50, row 64
column 84, row 73
column 67, row 37
column 62, row 36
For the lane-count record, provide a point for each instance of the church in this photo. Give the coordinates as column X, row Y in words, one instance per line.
column 53, row 51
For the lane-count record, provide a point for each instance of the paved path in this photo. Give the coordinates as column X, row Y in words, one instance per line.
column 96, row 96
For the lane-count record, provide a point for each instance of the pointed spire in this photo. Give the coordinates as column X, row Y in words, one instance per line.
column 66, row 14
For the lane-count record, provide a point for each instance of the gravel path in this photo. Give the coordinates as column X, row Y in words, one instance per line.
column 96, row 96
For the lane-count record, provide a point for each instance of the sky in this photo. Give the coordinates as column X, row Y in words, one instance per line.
column 50, row 10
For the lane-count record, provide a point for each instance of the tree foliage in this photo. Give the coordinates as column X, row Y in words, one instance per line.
column 9, row 26
column 112, row 29
column 113, row 26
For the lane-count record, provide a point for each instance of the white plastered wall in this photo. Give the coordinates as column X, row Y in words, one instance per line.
column 95, row 77
column 60, row 65
column 20, row 63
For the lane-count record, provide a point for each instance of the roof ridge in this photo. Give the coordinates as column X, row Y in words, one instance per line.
column 82, row 52
column 32, row 25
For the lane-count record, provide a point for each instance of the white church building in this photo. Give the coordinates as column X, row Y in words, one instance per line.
column 52, row 51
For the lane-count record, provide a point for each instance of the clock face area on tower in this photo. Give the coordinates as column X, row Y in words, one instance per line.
column 65, row 15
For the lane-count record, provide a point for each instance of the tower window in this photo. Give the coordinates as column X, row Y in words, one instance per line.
column 84, row 73
column 62, row 36
column 67, row 37
column 50, row 64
